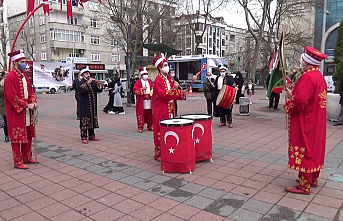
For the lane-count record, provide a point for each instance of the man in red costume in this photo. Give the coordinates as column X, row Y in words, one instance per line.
column 306, row 107
column 165, row 92
column 143, row 91
column 20, row 100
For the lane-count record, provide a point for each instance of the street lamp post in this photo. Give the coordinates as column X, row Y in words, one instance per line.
column 128, row 64
column 322, row 47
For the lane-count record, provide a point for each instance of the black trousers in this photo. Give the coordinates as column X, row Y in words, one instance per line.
column 209, row 106
column 84, row 134
column 274, row 100
column 5, row 126
column 109, row 105
column 225, row 114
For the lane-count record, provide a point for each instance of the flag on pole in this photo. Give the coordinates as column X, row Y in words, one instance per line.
column 278, row 62
column 46, row 8
column 30, row 6
column 69, row 9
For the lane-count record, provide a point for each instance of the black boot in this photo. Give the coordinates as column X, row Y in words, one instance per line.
column 7, row 139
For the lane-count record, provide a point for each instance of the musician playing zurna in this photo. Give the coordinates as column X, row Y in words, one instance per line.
column 87, row 92
column 224, row 78
column 165, row 92
column 143, row 91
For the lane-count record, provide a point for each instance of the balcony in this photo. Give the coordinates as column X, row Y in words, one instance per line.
column 56, row 7
column 64, row 44
column 69, row 27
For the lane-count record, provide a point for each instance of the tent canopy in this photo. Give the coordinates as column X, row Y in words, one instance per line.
column 162, row 48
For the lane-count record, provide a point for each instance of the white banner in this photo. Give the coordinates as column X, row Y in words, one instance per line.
column 52, row 74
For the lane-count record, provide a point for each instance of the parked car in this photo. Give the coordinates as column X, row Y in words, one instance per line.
column 46, row 89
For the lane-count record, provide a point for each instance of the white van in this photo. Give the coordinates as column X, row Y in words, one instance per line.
column 47, row 89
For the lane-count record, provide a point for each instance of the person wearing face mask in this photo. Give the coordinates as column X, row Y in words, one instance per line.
column 209, row 92
column 143, row 91
column 173, row 76
column 222, row 80
column 73, row 87
column 165, row 91
column 306, row 108
column 87, row 89
column 20, row 100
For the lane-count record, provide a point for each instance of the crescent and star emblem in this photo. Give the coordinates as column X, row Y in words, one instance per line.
column 171, row 133
column 197, row 140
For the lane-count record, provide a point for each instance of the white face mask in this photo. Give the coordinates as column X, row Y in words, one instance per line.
column 302, row 65
column 173, row 75
column 222, row 74
column 165, row 69
column 145, row 77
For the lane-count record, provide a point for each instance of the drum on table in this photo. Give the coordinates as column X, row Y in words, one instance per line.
column 226, row 96
column 201, row 135
column 177, row 147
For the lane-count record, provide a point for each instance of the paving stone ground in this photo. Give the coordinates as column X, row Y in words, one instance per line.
column 117, row 178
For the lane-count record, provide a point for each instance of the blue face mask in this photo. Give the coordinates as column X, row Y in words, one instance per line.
column 22, row 66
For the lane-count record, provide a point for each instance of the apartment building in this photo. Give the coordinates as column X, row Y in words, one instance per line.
column 81, row 40
column 198, row 34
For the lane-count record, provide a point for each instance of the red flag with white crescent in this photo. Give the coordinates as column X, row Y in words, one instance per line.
column 30, row 6
column 69, row 9
column 46, row 8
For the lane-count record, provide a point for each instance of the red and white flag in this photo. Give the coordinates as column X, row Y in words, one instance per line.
column 69, row 9
column 30, row 6
column 46, row 8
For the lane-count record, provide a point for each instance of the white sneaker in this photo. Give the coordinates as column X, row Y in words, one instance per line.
column 111, row 112
column 122, row 112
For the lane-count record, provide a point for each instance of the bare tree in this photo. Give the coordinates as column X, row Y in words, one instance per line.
column 197, row 16
column 145, row 18
column 4, row 39
column 265, row 25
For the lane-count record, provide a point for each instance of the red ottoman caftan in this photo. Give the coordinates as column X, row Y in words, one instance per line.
column 163, row 105
column 143, row 115
column 307, row 123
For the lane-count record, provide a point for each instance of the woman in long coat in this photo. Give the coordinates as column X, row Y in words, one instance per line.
column 2, row 104
column 117, row 103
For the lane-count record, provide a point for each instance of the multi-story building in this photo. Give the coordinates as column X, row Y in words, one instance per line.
column 198, row 34
column 333, row 19
column 82, row 39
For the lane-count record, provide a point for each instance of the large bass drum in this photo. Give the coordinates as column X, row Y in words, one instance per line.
column 226, row 97
column 177, row 146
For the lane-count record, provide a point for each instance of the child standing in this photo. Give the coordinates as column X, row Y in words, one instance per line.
column 250, row 90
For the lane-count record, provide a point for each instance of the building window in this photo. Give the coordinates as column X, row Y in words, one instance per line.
column 73, row 55
column 42, row 38
column 223, row 42
column 210, row 44
column 95, row 40
column 188, row 29
column 94, row 23
column 188, row 52
column 232, row 38
column 115, row 57
column 43, row 56
column 188, row 42
column 93, row 6
column 95, row 56
column 114, row 42
column 74, row 21
column 205, row 40
column 42, row 20
column 67, row 35
column 22, row 33
column 209, row 51
column 31, row 22
column 223, row 53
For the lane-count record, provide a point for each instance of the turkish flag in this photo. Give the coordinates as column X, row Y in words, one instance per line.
column 30, row 6
column 82, row 1
column 46, row 8
column 69, row 9
column 177, row 148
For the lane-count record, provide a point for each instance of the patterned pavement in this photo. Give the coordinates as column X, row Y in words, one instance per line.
column 118, row 179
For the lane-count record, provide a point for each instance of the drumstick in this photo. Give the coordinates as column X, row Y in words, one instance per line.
column 203, row 67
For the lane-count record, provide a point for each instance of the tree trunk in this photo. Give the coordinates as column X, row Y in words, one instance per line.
column 3, row 40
